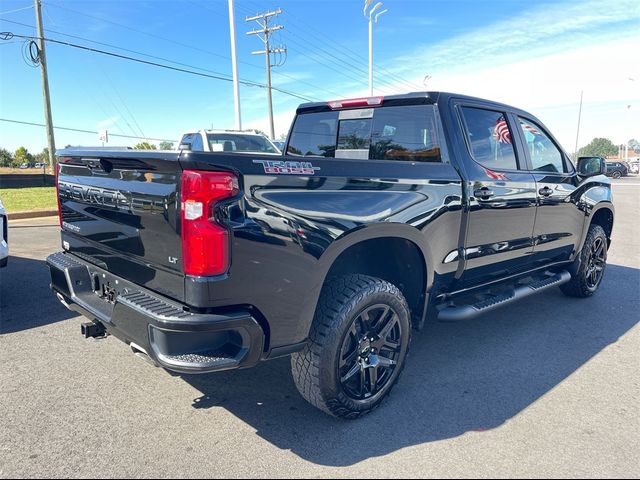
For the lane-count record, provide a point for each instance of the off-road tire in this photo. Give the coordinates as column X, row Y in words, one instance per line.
column 581, row 285
column 316, row 369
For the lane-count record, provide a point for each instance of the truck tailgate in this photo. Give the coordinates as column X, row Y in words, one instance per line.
column 120, row 211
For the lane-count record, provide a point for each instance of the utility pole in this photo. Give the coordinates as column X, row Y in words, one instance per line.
column 578, row 129
column 266, row 31
column 234, row 62
column 45, row 86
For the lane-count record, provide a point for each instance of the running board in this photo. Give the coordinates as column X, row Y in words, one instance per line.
column 455, row 313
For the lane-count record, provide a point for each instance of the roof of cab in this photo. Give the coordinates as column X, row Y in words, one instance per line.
column 413, row 98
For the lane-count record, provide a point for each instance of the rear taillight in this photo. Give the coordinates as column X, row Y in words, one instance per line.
column 355, row 102
column 205, row 243
column 57, row 168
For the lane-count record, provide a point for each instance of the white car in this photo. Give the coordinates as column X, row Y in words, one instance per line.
column 233, row 141
column 4, row 240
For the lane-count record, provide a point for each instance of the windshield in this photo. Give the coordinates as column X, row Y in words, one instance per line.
column 237, row 142
column 409, row 133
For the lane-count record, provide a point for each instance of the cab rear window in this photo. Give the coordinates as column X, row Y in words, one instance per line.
column 409, row 133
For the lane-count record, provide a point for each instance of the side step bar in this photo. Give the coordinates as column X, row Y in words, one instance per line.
column 455, row 313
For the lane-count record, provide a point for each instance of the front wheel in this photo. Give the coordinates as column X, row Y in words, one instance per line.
column 616, row 174
column 593, row 262
column 357, row 346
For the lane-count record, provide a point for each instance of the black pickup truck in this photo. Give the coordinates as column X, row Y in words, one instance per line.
column 382, row 213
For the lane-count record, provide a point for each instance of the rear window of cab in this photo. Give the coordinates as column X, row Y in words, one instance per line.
column 409, row 133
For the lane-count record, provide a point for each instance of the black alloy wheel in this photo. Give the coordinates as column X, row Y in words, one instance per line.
column 596, row 262
column 357, row 346
column 370, row 351
column 591, row 265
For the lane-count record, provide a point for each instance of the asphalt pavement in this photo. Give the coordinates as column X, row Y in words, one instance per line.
column 548, row 387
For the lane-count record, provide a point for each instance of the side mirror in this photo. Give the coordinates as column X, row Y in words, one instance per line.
column 590, row 166
column 184, row 146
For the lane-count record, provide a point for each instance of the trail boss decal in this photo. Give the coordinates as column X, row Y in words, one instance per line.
column 287, row 168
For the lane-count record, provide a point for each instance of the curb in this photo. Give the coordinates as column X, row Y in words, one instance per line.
column 32, row 214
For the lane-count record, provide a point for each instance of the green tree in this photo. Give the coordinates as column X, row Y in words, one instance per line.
column 21, row 156
column 166, row 146
column 43, row 156
column 634, row 145
column 6, row 158
column 145, row 146
column 599, row 147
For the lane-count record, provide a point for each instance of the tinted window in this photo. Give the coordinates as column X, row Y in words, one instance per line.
column 490, row 138
column 545, row 156
column 197, row 145
column 354, row 134
column 409, row 133
column 314, row 134
column 187, row 139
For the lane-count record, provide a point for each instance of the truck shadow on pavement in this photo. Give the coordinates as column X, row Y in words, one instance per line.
column 460, row 377
column 23, row 283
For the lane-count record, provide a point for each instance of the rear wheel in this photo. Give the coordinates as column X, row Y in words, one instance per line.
column 593, row 262
column 358, row 344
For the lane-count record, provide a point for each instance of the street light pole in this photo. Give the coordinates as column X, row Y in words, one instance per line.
column 578, row 129
column 234, row 66
column 370, row 56
column 371, row 20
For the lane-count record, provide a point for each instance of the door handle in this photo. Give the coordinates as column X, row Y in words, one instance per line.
column 483, row 193
column 545, row 192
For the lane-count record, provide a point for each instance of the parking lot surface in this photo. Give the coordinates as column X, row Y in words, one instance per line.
column 548, row 387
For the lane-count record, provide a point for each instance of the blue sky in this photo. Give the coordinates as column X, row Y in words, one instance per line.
column 536, row 55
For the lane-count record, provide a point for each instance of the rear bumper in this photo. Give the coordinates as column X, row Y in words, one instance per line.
column 172, row 337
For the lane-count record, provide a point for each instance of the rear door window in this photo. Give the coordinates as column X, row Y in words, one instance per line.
column 489, row 137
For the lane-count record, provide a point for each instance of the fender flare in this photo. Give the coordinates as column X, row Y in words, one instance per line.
column 354, row 237
column 589, row 214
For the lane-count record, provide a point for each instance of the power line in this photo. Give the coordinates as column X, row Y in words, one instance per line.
column 185, row 45
column 124, row 104
column 16, row 10
column 347, row 52
column 343, row 65
column 9, row 35
column 279, row 74
column 80, row 130
column 116, row 47
column 276, row 73
column 308, row 30
column 152, row 35
column 344, row 68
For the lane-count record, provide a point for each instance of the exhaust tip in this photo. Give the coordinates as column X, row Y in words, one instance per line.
column 142, row 354
column 62, row 300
